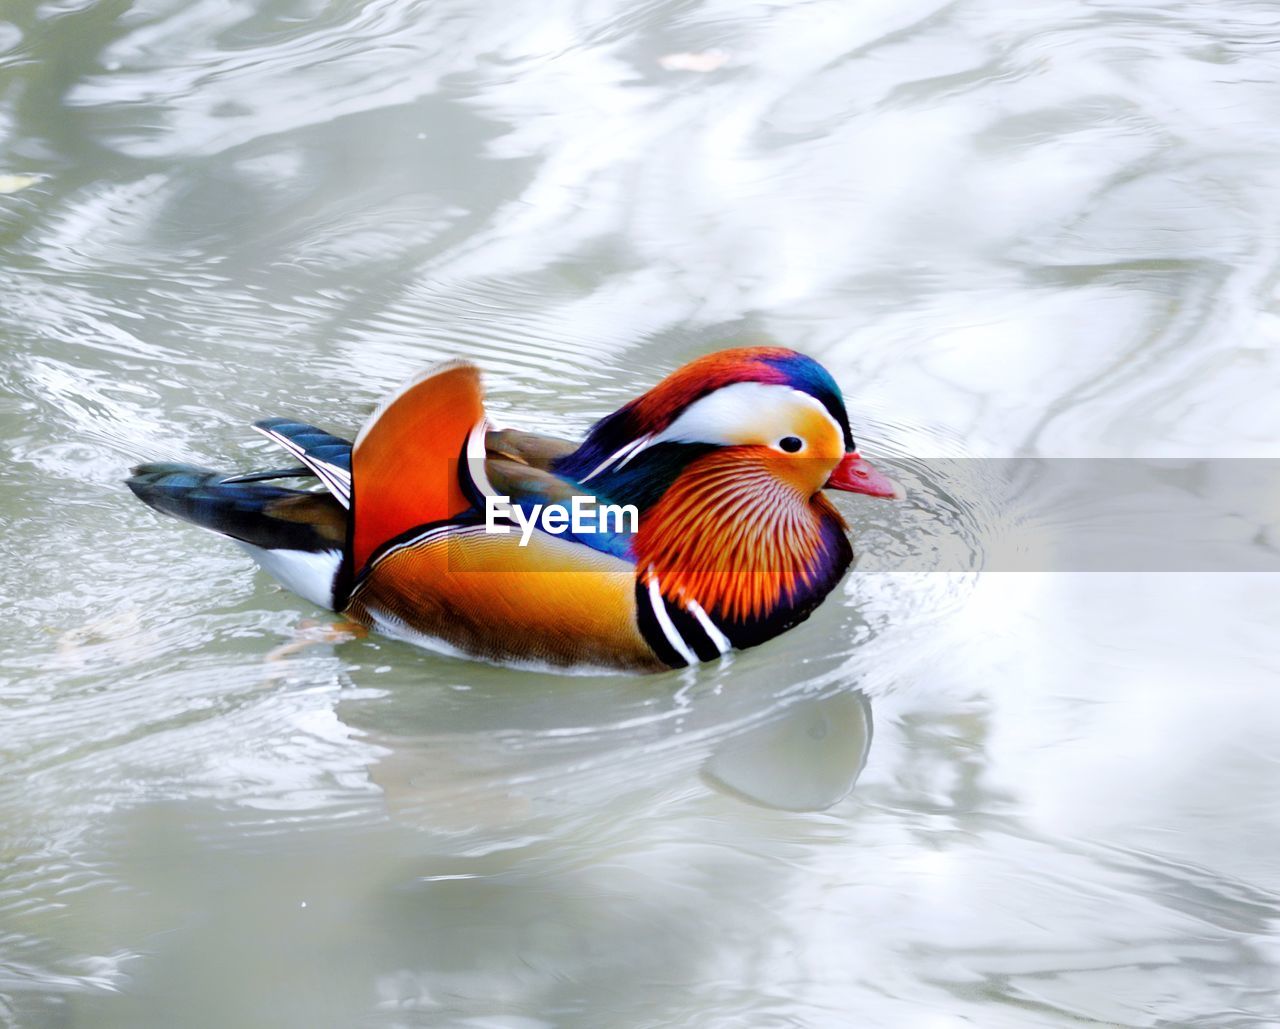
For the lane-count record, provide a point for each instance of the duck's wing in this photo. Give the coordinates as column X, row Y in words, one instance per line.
column 322, row 454
column 548, row 598
column 528, row 448
column 531, row 488
column 421, row 460
column 328, row 457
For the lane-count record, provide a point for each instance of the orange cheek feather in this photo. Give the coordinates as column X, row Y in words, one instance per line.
column 733, row 535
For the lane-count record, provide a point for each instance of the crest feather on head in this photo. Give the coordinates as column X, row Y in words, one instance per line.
column 655, row 410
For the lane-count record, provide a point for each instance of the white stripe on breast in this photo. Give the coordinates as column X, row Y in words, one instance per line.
column 709, row 627
column 659, row 606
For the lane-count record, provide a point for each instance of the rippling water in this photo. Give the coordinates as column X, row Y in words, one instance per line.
column 1010, row 229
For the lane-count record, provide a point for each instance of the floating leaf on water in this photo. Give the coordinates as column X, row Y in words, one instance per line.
column 14, row 183
column 120, row 633
column 707, row 60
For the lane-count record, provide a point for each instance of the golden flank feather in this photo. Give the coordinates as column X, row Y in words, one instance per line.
column 553, row 602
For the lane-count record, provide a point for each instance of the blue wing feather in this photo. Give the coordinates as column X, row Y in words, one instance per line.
column 528, row 487
column 328, row 456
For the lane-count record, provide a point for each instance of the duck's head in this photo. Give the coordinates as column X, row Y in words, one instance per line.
column 778, row 409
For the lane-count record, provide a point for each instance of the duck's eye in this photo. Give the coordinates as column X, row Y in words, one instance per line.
column 791, row 444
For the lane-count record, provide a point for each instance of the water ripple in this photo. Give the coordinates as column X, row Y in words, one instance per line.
column 951, row 795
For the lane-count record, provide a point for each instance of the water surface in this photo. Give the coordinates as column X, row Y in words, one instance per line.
column 1042, row 230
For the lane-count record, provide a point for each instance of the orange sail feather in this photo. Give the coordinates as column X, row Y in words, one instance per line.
column 404, row 466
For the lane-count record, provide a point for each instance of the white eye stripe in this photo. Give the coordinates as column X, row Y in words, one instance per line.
column 713, row 419
column 720, row 416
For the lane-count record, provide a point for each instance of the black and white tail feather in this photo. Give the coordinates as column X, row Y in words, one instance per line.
column 299, row 536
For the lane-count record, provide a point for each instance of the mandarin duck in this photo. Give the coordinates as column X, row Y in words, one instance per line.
column 438, row 527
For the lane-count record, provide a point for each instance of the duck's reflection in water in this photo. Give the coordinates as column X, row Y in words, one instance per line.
column 491, row 789
column 594, row 870
column 806, row 758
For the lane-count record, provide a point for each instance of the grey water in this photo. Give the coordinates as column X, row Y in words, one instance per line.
column 958, row 795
